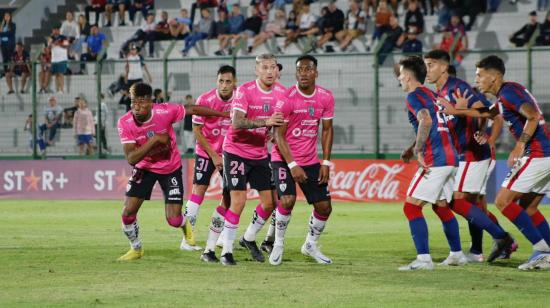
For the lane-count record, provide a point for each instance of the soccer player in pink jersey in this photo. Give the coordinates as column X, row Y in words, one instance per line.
column 245, row 154
column 294, row 158
column 149, row 144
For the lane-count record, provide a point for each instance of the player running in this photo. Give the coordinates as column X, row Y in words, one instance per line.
column 294, row 158
column 209, row 133
column 474, row 157
column 149, row 144
column 245, row 154
column 529, row 178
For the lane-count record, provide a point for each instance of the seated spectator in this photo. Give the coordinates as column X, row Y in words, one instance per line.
column 28, row 128
column 280, row 4
column 306, row 26
column 333, row 24
column 20, row 66
column 448, row 44
column 180, row 26
column 142, row 35
column 456, row 26
column 97, row 6
column 58, row 45
column 413, row 17
column 83, row 26
column 84, row 128
column 236, row 23
column 382, row 20
column 68, row 114
column 356, row 25
column 162, row 29
column 251, row 27
column 7, row 38
column 472, row 8
column 523, row 35
column 202, row 4
column 135, row 66
column 45, row 74
column 221, row 28
column 121, row 6
column 544, row 38
column 433, row 5
column 143, row 6
column 201, row 31
column 262, row 6
column 447, row 9
column 52, row 121
column 394, row 39
column 370, row 4
column 96, row 41
column 273, row 28
column 71, row 30
column 412, row 45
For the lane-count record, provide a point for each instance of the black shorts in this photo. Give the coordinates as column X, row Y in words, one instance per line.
column 287, row 187
column 238, row 171
column 142, row 182
column 204, row 169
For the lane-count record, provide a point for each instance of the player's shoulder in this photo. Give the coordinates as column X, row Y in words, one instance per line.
column 248, row 86
column 208, row 96
column 164, row 108
column 323, row 92
column 291, row 91
column 126, row 119
column 279, row 88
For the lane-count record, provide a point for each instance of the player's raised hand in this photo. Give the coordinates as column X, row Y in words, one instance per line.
column 324, row 174
column 298, row 174
column 448, row 108
column 406, row 155
column 276, row 119
column 462, row 99
column 217, row 160
column 481, row 137
column 162, row 138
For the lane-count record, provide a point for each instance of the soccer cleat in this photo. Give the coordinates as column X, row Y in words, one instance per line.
column 227, row 259
column 311, row 249
column 500, row 246
column 185, row 246
column 189, row 234
column 455, row 259
column 538, row 260
column 132, row 254
column 267, row 246
column 276, row 256
column 252, row 247
column 209, row 257
column 508, row 252
column 475, row 258
column 418, row 265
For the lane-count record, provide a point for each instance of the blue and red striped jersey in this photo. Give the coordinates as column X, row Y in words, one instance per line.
column 511, row 97
column 439, row 150
column 463, row 128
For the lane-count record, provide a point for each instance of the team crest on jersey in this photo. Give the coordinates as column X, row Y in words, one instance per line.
column 282, row 186
column 199, row 175
column 266, row 107
column 234, row 181
column 311, row 111
column 150, row 134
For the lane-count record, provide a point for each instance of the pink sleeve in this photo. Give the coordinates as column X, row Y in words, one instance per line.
column 200, row 102
column 284, row 106
column 328, row 111
column 124, row 133
column 240, row 102
column 177, row 110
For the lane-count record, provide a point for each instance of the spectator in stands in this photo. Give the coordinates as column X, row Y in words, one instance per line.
column 236, row 23
column 97, row 43
column 544, row 38
column 382, row 20
column 162, row 29
column 28, row 128
column 355, row 25
column 7, row 38
column 20, row 66
column 121, row 5
column 201, row 4
column 45, row 74
column 58, row 44
column 180, row 26
column 471, row 8
column 262, row 6
column 71, row 30
column 413, row 17
column 159, row 97
column 97, row 6
column 143, row 6
column 334, row 24
column 306, row 26
column 542, row 5
column 201, row 31
column 52, row 121
column 448, row 8
column 412, row 45
column 433, row 5
column 84, row 128
column 221, row 28
column 276, row 27
column 142, row 35
column 455, row 44
column 280, row 4
column 367, row 4
column 523, row 35
column 394, row 39
column 68, row 113
column 83, row 26
column 135, row 66
column 251, row 27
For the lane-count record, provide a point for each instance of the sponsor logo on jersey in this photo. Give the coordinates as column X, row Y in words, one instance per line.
column 174, row 192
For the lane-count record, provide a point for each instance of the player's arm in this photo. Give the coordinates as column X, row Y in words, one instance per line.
column 239, row 120
column 204, row 111
column 297, row 172
column 424, row 127
column 496, row 129
column 408, row 153
column 197, row 130
column 135, row 154
column 531, row 122
column 327, row 136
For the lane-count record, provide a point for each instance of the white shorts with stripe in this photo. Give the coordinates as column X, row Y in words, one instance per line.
column 434, row 185
column 471, row 176
column 529, row 175
column 492, row 166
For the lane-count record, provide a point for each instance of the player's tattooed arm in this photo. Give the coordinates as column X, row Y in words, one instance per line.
column 296, row 171
column 201, row 140
column 408, row 153
column 481, row 112
column 135, row 154
column 240, row 121
column 424, row 127
column 532, row 117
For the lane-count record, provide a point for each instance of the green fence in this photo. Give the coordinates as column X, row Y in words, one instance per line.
column 370, row 118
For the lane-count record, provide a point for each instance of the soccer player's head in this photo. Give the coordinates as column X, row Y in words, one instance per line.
column 437, row 65
column 306, row 71
column 226, row 81
column 140, row 94
column 489, row 74
column 267, row 69
column 412, row 71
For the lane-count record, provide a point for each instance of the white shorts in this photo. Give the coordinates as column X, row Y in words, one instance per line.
column 492, row 166
column 432, row 186
column 470, row 176
column 529, row 175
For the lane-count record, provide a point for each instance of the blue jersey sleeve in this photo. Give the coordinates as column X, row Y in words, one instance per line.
column 414, row 103
column 516, row 96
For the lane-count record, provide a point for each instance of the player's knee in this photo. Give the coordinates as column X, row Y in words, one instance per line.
column 323, row 208
column 176, row 221
column 502, row 200
column 287, row 202
column 128, row 219
column 412, row 211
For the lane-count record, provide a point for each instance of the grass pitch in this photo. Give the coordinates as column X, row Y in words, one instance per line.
column 63, row 253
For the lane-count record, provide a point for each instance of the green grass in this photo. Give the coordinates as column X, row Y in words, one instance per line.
column 62, row 253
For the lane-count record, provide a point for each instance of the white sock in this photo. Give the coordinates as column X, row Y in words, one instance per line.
column 424, row 257
column 254, row 227
column 281, row 226
column 456, row 253
column 316, row 227
column 191, row 212
column 216, row 227
column 270, row 236
column 230, row 231
column 541, row 246
column 132, row 233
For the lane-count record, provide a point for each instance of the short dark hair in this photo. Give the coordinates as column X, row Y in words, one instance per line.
column 141, row 89
column 451, row 70
column 492, row 62
column 307, row 57
column 438, row 54
column 227, row 69
column 188, row 96
column 416, row 65
column 157, row 92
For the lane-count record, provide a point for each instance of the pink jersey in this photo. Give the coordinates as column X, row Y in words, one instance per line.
column 214, row 129
column 257, row 104
column 162, row 159
column 303, row 114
